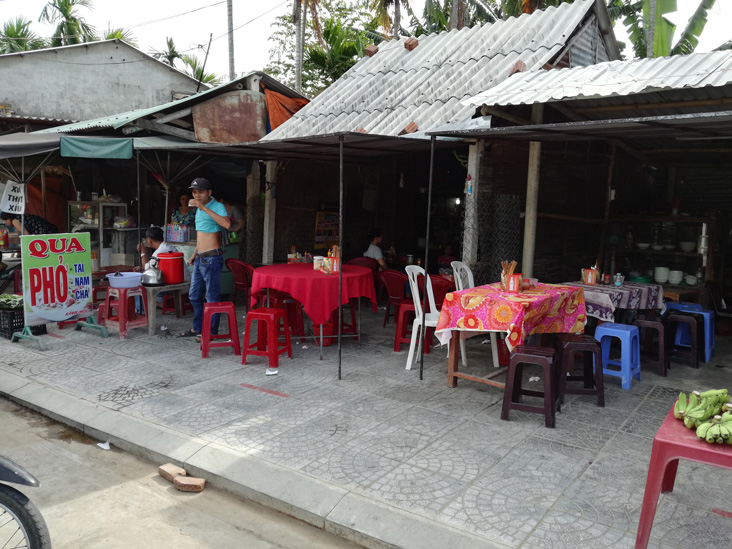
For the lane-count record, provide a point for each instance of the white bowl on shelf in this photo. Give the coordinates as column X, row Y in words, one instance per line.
column 690, row 280
column 657, row 247
column 660, row 275
column 643, row 245
column 669, row 247
column 675, row 277
column 687, row 246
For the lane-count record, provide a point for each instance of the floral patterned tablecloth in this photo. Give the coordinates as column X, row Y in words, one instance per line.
column 548, row 308
column 602, row 300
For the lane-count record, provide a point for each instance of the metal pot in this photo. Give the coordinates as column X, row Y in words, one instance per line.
column 152, row 275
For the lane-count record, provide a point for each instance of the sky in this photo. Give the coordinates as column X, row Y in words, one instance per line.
column 191, row 22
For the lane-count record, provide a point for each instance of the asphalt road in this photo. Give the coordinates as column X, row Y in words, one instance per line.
column 92, row 498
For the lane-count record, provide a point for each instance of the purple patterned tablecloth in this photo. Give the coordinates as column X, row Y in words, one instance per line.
column 601, row 300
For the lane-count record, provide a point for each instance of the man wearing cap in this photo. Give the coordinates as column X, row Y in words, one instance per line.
column 208, row 257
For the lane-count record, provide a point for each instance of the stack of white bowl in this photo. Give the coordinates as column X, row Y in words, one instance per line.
column 660, row 275
column 675, row 277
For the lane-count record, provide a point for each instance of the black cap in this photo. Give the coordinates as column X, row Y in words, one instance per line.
column 201, row 183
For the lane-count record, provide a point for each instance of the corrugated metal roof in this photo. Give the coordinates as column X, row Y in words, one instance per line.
column 384, row 93
column 612, row 79
column 118, row 120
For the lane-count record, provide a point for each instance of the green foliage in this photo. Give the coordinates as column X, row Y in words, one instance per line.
column 17, row 36
column 689, row 39
column 357, row 26
column 120, row 34
column 169, row 55
column 343, row 48
column 71, row 28
column 194, row 68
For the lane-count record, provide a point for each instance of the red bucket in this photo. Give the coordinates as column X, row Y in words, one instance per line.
column 171, row 264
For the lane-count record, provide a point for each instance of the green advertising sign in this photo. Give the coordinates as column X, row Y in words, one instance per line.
column 57, row 277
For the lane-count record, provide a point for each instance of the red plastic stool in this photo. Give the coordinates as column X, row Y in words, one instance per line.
column 124, row 306
column 346, row 328
column 61, row 325
column 403, row 333
column 672, row 442
column 283, row 300
column 208, row 340
column 169, row 304
column 267, row 343
column 96, row 290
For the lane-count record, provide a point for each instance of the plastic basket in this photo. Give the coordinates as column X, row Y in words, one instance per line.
column 177, row 232
column 11, row 321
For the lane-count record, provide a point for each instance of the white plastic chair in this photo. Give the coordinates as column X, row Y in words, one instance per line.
column 463, row 280
column 430, row 319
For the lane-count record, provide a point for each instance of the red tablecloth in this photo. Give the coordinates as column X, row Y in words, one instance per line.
column 317, row 292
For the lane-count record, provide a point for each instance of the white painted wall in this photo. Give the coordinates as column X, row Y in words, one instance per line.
column 87, row 81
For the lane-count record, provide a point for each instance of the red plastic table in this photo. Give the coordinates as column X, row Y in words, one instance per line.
column 318, row 292
column 672, row 442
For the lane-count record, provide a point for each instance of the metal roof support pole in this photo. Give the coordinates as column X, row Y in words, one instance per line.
column 532, row 197
column 422, row 334
column 139, row 215
column 340, row 248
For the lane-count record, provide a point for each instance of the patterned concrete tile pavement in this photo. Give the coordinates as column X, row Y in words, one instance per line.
column 380, row 456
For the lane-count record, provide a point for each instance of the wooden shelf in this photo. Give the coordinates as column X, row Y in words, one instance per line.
column 664, row 252
column 664, row 218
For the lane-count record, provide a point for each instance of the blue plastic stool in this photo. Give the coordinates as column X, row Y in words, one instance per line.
column 629, row 351
column 682, row 334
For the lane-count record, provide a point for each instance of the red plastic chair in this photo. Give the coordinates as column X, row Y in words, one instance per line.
column 266, row 344
column 440, row 288
column 243, row 273
column 208, row 340
column 394, row 282
column 369, row 263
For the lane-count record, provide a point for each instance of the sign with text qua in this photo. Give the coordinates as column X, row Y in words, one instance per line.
column 13, row 199
column 57, row 282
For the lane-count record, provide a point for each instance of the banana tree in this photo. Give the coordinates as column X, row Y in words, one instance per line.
column 17, row 36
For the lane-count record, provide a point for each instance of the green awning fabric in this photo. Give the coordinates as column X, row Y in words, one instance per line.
column 96, row 147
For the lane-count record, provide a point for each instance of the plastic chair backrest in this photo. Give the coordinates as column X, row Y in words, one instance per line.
column 440, row 287
column 463, row 275
column 367, row 262
column 240, row 272
column 394, row 282
column 414, row 272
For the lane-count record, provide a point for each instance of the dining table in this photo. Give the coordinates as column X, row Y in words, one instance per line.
column 541, row 309
column 603, row 300
column 315, row 290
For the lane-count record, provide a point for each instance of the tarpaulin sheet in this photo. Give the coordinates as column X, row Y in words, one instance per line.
column 96, row 147
column 280, row 107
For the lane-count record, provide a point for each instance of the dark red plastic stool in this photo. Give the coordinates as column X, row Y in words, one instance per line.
column 99, row 289
column 209, row 340
column 569, row 344
column 541, row 356
column 119, row 309
column 672, row 321
column 267, row 343
column 405, row 316
column 661, row 360
column 672, row 442
column 283, row 300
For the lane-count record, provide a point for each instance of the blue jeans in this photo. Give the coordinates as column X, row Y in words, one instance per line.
column 205, row 288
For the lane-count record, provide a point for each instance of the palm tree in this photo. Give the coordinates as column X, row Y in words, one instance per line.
column 343, row 48
column 299, row 20
column 195, row 68
column 120, row 34
column 168, row 55
column 17, row 36
column 70, row 27
column 381, row 7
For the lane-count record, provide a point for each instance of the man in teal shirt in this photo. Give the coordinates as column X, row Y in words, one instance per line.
column 208, row 257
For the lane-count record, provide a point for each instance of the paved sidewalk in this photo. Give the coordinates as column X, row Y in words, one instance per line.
column 380, row 457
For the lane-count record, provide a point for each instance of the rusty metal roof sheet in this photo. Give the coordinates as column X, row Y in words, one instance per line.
column 700, row 72
column 384, row 93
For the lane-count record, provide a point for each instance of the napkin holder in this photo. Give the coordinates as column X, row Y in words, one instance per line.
column 589, row 276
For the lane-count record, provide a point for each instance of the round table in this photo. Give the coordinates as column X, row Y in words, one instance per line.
column 316, row 291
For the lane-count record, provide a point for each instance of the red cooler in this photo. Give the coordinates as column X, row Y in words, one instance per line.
column 171, row 264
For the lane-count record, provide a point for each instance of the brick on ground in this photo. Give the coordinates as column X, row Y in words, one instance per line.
column 189, row 484
column 170, row 471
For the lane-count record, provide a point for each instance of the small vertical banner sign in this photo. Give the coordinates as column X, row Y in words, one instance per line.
column 13, row 199
column 57, row 277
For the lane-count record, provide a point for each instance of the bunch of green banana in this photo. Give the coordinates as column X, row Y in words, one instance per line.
column 699, row 407
column 718, row 430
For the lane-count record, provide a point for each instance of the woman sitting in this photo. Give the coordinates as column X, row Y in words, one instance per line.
column 184, row 214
